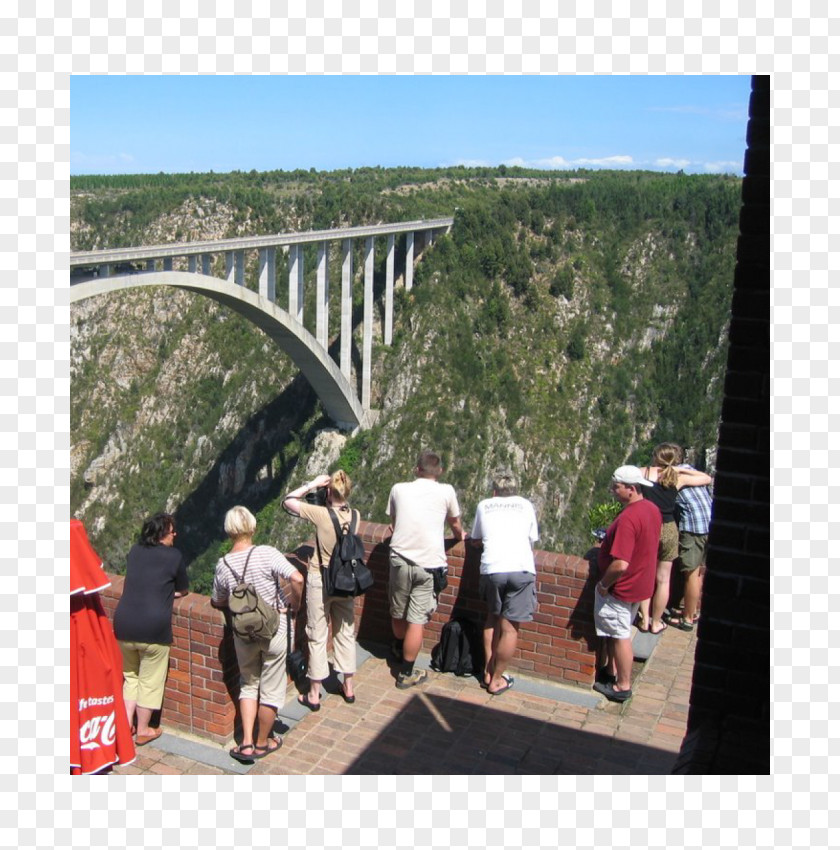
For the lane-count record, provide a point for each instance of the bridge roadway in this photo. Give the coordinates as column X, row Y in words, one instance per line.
column 310, row 353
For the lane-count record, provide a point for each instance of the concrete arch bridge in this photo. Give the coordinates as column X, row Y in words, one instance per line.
column 99, row 272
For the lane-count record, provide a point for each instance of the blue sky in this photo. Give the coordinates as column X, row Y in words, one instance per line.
column 142, row 124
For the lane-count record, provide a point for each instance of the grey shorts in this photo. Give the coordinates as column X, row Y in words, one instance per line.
column 410, row 592
column 510, row 595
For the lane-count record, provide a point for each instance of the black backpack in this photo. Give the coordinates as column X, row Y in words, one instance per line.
column 459, row 650
column 346, row 574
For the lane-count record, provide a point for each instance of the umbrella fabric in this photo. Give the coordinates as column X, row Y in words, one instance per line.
column 86, row 573
column 100, row 735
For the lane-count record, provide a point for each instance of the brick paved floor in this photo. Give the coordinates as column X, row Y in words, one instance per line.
column 451, row 725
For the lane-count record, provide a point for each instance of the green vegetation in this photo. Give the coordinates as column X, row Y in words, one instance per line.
column 567, row 323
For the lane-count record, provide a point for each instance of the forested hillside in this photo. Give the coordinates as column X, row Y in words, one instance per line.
column 566, row 324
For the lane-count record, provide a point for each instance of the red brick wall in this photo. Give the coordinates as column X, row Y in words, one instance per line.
column 559, row 645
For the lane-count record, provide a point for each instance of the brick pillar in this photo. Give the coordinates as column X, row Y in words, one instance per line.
column 729, row 717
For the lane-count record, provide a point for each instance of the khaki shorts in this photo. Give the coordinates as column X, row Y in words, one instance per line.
column 145, row 666
column 692, row 550
column 668, row 542
column 613, row 617
column 410, row 592
column 262, row 669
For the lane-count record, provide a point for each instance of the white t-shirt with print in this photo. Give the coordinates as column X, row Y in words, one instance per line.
column 508, row 527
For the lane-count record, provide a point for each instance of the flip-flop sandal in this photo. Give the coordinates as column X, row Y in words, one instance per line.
column 142, row 740
column 507, row 687
column 303, row 699
column 262, row 752
column 664, row 626
column 680, row 623
column 237, row 753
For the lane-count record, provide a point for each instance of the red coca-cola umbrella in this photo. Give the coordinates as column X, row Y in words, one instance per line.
column 100, row 735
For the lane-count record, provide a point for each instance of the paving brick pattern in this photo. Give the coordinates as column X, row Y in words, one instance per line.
column 451, row 725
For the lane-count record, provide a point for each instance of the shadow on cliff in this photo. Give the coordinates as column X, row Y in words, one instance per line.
column 234, row 477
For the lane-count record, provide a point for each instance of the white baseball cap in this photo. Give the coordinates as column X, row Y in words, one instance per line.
column 631, row 475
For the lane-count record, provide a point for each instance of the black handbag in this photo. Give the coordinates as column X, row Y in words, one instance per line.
column 439, row 577
column 295, row 660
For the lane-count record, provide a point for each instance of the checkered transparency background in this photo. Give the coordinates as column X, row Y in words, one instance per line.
column 42, row 47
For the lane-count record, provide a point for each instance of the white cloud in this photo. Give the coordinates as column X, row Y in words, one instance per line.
column 100, row 163
column 606, row 161
column 668, row 162
column 724, row 167
column 617, row 161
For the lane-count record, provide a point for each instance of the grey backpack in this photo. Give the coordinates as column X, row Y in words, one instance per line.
column 251, row 617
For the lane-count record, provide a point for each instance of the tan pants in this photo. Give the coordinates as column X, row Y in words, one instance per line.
column 145, row 666
column 321, row 611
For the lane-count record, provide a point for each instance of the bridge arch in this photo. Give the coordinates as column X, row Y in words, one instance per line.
column 331, row 386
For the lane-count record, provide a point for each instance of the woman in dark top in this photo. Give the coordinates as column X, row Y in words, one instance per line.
column 155, row 576
column 667, row 482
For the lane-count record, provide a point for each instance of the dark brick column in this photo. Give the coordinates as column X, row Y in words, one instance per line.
column 729, row 718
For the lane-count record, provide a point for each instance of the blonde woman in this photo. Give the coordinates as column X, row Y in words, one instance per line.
column 262, row 663
column 323, row 611
column 667, row 480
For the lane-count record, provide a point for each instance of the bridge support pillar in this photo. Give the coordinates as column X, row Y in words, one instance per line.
column 167, row 264
column 150, row 265
column 346, row 305
column 296, row 282
column 206, row 264
column 235, row 267
column 389, row 291
column 104, row 270
column 367, row 340
column 322, row 296
column 268, row 273
column 192, row 263
column 409, row 261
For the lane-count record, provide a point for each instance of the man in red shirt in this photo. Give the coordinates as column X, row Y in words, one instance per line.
column 627, row 574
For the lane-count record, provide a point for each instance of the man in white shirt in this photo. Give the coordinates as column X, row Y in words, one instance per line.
column 418, row 511
column 506, row 526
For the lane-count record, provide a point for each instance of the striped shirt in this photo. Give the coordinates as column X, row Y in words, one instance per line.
column 695, row 507
column 267, row 570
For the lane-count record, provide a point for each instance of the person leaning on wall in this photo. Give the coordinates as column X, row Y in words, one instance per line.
column 262, row 662
column 155, row 575
column 505, row 527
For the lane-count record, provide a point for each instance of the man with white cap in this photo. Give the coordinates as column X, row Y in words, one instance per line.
column 627, row 574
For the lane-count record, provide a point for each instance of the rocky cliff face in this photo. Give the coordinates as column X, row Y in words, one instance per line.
column 608, row 342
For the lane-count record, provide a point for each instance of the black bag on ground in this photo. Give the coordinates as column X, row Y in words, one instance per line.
column 347, row 574
column 459, row 650
column 252, row 618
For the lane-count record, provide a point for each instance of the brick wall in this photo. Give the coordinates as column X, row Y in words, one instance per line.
column 729, row 718
column 202, row 688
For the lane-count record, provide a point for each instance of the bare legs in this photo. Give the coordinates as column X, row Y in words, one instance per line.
column 411, row 634
column 144, row 715
column 500, row 637
column 264, row 715
column 620, row 655
column 659, row 601
column 691, row 598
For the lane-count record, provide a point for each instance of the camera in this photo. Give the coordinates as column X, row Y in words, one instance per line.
column 318, row 496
